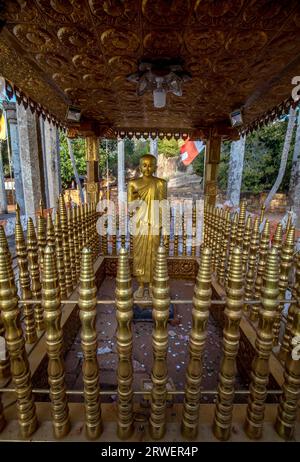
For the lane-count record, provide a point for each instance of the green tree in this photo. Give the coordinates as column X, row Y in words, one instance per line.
column 66, row 169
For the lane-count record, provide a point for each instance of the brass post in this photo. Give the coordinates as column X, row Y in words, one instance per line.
column 131, row 236
column 114, row 236
column 232, row 242
column 241, row 224
column 124, row 306
column 287, row 409
column 71, row 245
column 263, row 252
column 200, row 315
column 246, row 243
column 76, row 241
column 54, row 345
column 15, row 343
column 50, row 234
column 176, row 233
column 213, row 241
column 65, row 243
column 24, row 278
column 277, row 240
column 286, row 262
column 90, row 368
column 60, row 257
column 159, row 374
column 79, row 228
column 231, row 338
column 41, row 239
column 263, row 345
column 183, row 233
column 33, row 265
column 224, row 247
column 252, row 262
column 218, row 243
column 4, row 364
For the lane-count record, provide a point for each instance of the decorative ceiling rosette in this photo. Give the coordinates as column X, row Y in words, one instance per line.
column 166, row 13
column 245, row 42
column 62, row 11
column 216, row 12
column 66, row 80
column 117, row 42
column 114, row 12
column 34, row 38
column 52, row 62
column 76, row 38
column 267, row 14
column 163, row 43
column 204, row 42
column 121, row 65
column 95, row 80
column 20, row 10
column 89, row 63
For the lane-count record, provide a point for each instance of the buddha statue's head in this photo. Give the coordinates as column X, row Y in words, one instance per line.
column 148, row 165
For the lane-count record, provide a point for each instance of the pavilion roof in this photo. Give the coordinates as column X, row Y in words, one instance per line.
column 239, row 53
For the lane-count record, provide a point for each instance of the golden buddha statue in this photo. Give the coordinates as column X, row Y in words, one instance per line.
column 147, row 220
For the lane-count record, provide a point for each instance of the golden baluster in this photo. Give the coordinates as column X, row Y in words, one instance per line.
column 65, row 243
column 4, row 364
column 90, row 368
column 33, row 265
column 241, row 224
column 54, row 346
column 15, row 343
column 60, row 257
column 131, row 236
column 204, row 234
column 263, row 252
column 76, row 242
column 277, row 240
column 232, row 242
column 231, row 339
column 194, row 230
column 200, row 315
column 24, row 278
column 213, row 240
column 50, row 234
column 210, row 225
column 262, row 214
column 41, row 239
column 286, row 262
column 114, row 236
column 224, row 247
column 122, row 231
column 79, row 228
column 288, row 407
column 86, row 223
column 218, row 243
column 263, row 345
column 246, row 243
column 159, row 374
column 71, row 246
column 124, row 306
column 252, row 262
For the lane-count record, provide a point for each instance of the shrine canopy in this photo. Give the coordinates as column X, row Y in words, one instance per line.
column 237, row 54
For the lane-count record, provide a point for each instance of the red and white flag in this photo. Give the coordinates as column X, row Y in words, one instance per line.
column 189, row 150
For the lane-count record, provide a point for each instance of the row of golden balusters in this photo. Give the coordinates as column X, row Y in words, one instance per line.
column 222, row 422
column 73, row 228
column 223, row 233
column 180, row 238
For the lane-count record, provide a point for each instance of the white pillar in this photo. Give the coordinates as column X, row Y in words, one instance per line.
column 51, row 162
column 3, row 200
column 121, row 171
column 154, row 147
column 235, row 172
column 30, row 159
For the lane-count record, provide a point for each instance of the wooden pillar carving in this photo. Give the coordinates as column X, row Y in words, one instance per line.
column 92, row 184
column 212, row 160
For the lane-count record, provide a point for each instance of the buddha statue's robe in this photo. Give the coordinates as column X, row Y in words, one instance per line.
column 146, row 239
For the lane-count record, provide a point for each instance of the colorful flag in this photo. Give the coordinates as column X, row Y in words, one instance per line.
column 2, row 128
column 189, row 150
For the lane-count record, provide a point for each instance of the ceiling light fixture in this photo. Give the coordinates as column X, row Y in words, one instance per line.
column 160, row 76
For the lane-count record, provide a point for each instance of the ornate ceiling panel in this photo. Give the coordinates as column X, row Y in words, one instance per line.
column 240, row 53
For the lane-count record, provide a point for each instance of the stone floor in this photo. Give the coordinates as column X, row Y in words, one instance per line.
column 142, row 349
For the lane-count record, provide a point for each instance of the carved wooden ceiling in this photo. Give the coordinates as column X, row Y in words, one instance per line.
column 239, row 53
